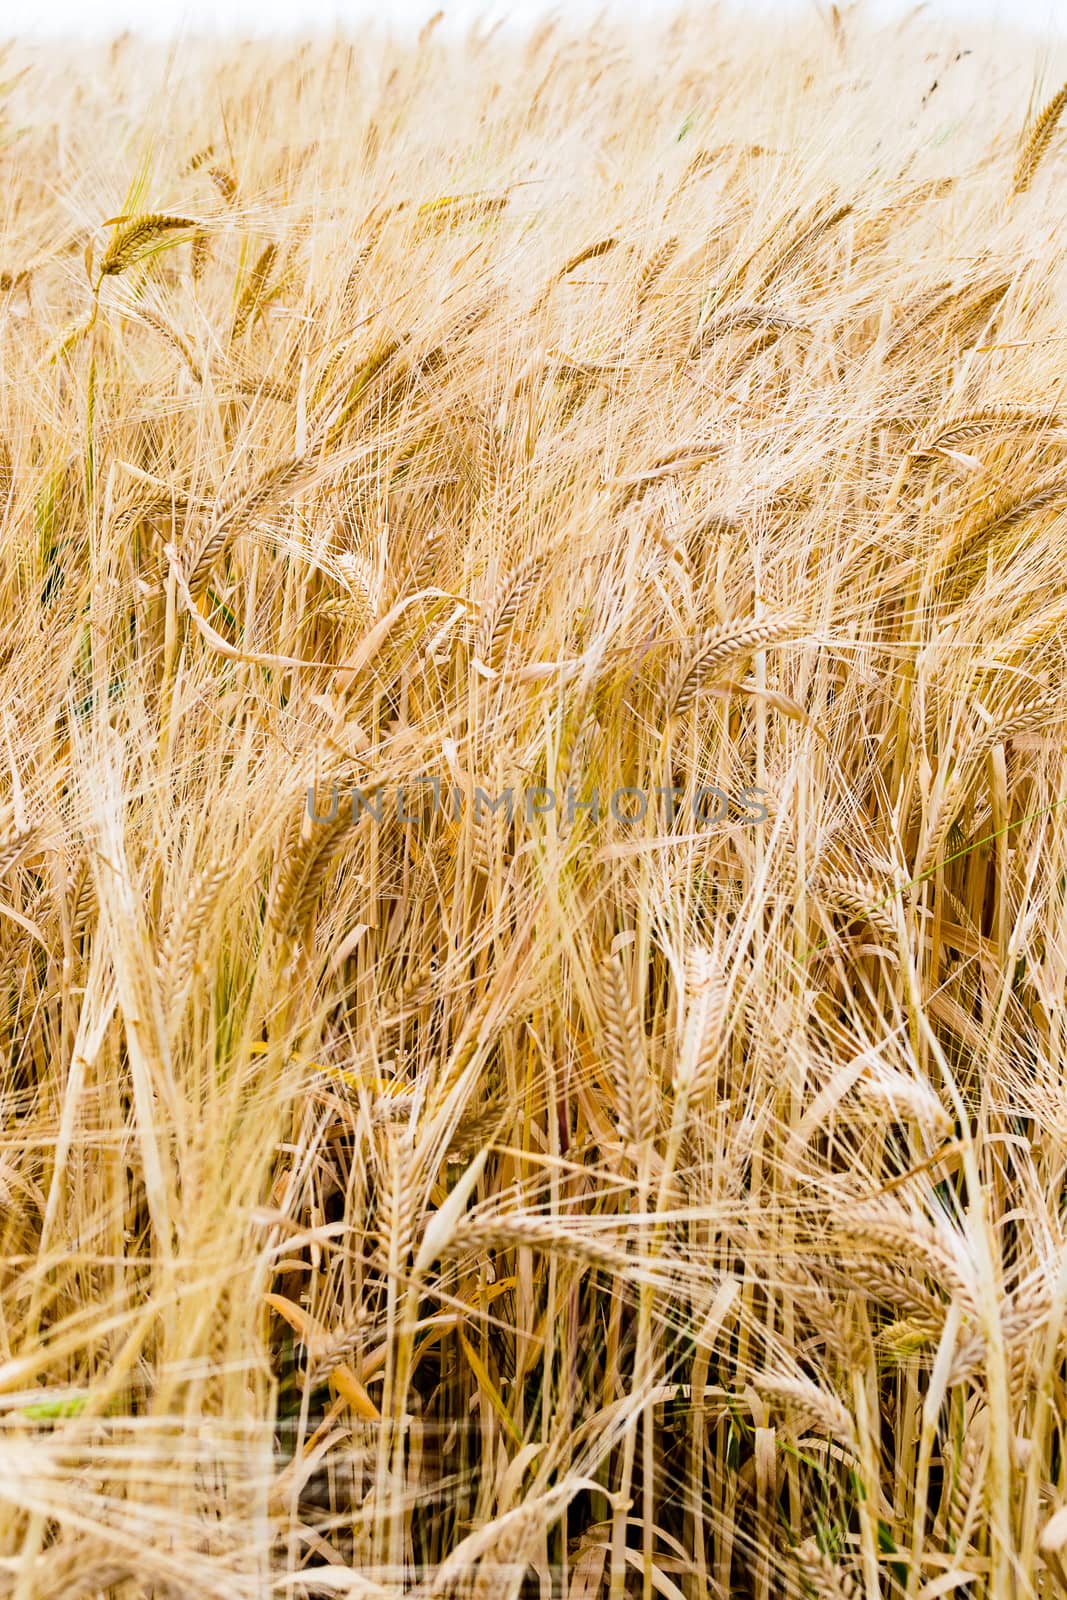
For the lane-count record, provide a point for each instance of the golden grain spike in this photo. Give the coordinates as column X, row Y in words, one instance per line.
column 199, row 158
column 135, row 237
column 200, row 254
column 624, row 1045
column 1039, row 140
column 812, row 1407
column 177, row 950
column 14, row 848
column 449, row 209
column 654, row 267
column 174, row 339
column 718, row 646
column 504, row 605
column 224, row 182
column 958, row 431
column 590, row 253
column 254, row 289
column 825, row 1579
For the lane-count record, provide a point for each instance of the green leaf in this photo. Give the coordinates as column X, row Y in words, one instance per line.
column 70, row 1404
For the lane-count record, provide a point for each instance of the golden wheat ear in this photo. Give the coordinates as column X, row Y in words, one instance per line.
column 591, row 252
column 822, row 1576
column 138, row 236
column 1039, row 141
column 713, row 649
column 224, row 182
column 174, row 339
column 811, row 1408
column 254, row 290
column 653, row 269
column 627, row 1054
column 705, row 1039
column 503, row 607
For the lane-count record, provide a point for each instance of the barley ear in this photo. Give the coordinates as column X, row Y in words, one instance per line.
column 626, row 1051
column 822, row 1576
column 1039, row 141
column 254, row 289
column 139, row 236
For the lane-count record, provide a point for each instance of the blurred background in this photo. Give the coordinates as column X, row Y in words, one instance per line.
column 168, row 17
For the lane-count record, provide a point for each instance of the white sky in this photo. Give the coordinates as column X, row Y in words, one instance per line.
column 246, row 16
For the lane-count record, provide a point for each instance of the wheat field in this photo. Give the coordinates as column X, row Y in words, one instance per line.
column 533, row 920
